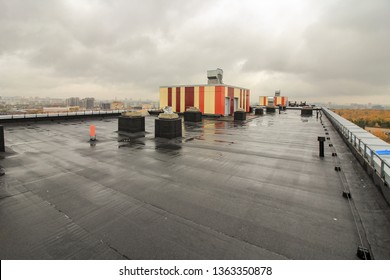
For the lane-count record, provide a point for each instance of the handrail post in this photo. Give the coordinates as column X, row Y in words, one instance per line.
column 365, row 150
column 382, row 168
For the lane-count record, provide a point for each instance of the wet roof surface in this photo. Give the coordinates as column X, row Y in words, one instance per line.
column 225, row 190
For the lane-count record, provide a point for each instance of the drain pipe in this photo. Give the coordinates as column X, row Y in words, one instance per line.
column 2, row 142
column 321, row 141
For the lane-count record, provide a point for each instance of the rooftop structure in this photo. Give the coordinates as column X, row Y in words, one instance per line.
column 226, row 190
column 72, row 101
column 276, row 100
column 215, row 98
column 215, row 76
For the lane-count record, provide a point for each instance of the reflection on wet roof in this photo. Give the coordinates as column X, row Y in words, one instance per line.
column 225, row 190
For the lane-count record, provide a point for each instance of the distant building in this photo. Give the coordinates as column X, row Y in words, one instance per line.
column 105, row 106
column 117, row 105
column 55, row 109
column 73, row 108
column 377, row 107
column 147, row 106
column 88, row 103
column 215, row 98
column 73, row 101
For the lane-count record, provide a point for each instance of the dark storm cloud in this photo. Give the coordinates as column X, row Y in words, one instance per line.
column 130, row 48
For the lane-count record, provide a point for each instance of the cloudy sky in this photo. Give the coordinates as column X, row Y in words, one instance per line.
column 334, row 50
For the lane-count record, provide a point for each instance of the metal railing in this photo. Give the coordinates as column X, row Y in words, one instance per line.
column 60, row 114
column 366, row 144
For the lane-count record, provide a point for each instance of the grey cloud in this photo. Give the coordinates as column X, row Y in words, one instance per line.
column 351, row 45
column 344, row 53
column 342, row 47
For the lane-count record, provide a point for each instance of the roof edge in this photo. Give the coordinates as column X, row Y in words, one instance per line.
column 204, row 85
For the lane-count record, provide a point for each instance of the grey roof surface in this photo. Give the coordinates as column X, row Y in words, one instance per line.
column 225, row 190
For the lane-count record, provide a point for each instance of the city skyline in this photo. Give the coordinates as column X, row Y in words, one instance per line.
column 317, row 52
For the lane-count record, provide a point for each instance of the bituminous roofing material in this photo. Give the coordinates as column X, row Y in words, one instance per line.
column 225, row 190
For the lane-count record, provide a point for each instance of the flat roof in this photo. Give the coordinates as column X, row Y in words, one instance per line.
column 204, row 85
column 226, row 190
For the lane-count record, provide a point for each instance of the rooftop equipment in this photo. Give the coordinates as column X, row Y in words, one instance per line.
column 240, row 115
column 214, row 76
column 168, row 124
column 192, row 115
column 131, row 122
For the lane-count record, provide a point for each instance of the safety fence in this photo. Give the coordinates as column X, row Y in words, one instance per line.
column 373, row 150
column 60, row 114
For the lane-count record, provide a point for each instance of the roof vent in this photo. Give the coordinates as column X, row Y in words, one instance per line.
column 214, row 76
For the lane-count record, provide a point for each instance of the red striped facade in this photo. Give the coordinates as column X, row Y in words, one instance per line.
column 210, row 99
column 278, row 100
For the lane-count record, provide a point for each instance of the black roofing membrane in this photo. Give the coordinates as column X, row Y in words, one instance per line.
column 255, row 189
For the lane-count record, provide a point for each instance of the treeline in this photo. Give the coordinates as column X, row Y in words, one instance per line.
column 366, row 117
column 380, row 134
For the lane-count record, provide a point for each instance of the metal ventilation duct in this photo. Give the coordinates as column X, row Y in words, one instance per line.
column 214, row 76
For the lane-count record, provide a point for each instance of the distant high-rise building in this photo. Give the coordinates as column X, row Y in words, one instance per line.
column 73, row 101
column 88, row 103
column 105, row 106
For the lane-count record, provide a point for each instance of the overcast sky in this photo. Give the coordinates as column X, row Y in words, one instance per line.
column 333, row 50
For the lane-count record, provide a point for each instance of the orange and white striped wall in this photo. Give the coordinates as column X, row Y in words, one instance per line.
column 210, row 99
column 263, row 101
column 278, row 100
